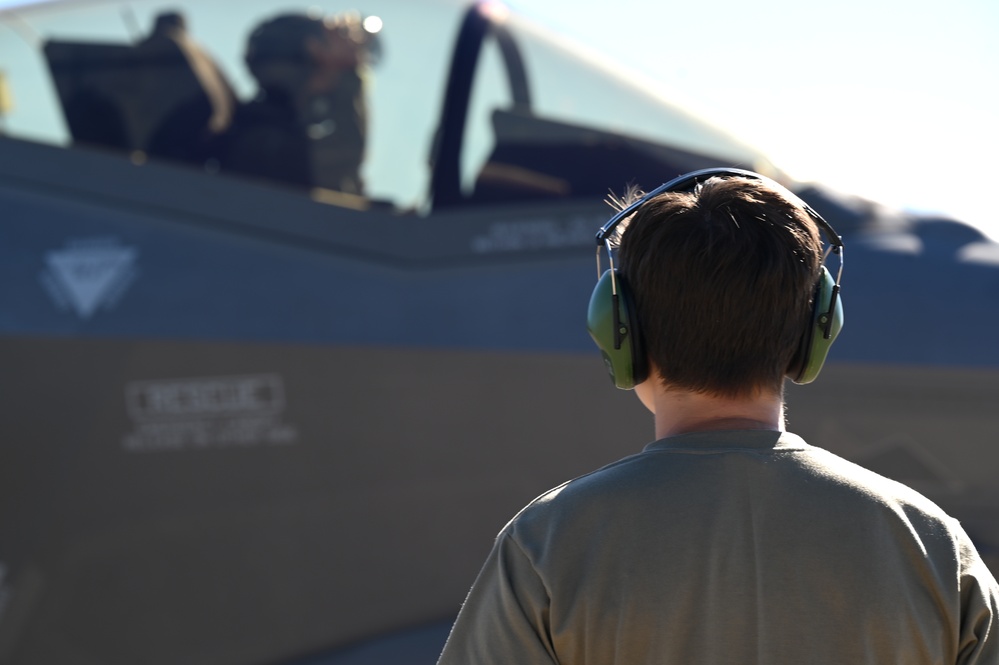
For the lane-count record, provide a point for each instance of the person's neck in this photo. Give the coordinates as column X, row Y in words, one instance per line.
column 680, row 412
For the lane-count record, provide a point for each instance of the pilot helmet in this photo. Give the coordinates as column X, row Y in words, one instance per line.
column 284, row 38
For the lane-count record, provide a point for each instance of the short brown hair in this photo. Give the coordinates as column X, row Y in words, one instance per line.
column 723, row 279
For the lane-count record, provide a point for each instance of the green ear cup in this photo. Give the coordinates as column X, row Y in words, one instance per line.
column 827, row 321
column 611, row 324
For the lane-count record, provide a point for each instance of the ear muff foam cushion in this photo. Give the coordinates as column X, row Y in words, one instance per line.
column 616, row 334
column 815, row 344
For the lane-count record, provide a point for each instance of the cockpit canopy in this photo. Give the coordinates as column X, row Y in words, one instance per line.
column 412, row 105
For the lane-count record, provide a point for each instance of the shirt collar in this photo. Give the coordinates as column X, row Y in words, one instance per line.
column 732, row 439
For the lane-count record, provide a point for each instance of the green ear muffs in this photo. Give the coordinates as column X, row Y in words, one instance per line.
column 827, row 321
column 611, row 315
column 610, row 320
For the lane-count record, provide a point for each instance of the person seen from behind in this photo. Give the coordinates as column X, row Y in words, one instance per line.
column 728, row 539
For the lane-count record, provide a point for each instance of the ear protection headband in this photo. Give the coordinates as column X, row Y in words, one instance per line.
column 611, row 318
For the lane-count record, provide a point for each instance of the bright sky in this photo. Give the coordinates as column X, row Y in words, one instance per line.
column 891, row 99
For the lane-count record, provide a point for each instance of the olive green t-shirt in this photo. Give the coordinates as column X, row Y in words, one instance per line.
column 730, row 547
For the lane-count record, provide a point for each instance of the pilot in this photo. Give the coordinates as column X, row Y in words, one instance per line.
column 307, row 125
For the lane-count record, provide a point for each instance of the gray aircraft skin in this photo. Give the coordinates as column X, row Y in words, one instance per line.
column 249, row 421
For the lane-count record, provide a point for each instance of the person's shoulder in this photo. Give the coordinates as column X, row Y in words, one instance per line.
column 850, row 478
column 586, row 499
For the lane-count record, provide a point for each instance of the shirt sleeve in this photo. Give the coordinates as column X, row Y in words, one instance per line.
column 505, row 616
column 979, row 639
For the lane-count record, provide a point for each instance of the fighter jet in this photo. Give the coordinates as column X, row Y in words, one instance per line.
column 292, row 320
